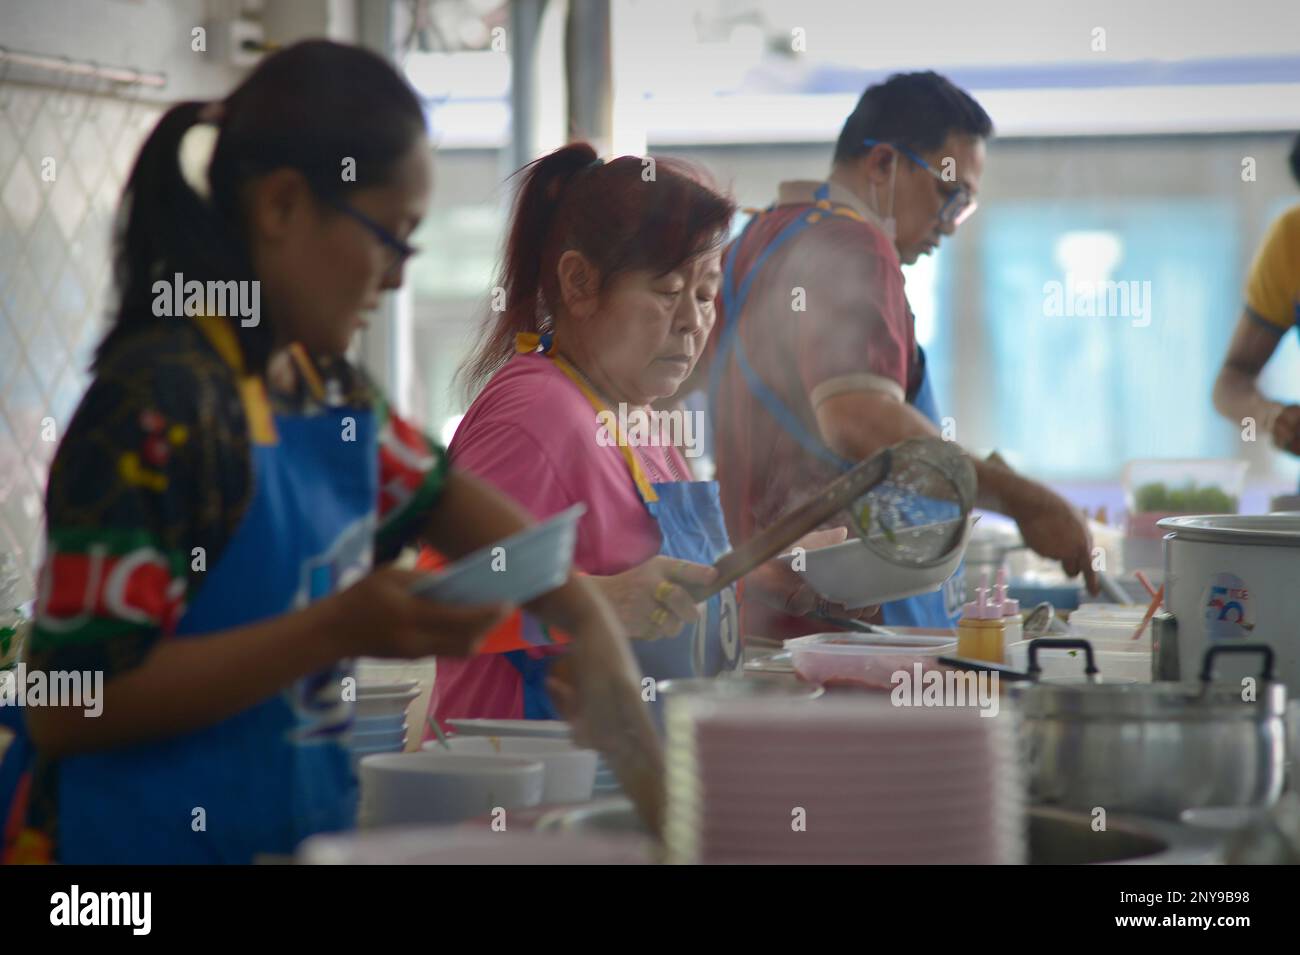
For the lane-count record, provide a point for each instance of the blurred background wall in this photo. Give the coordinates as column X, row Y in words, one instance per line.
column 1123, row 133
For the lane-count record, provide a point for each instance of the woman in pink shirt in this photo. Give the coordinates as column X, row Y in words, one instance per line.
column 610, row 276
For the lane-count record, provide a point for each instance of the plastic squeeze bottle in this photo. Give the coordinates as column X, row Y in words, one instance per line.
column 981, row 632
column 1011, row 619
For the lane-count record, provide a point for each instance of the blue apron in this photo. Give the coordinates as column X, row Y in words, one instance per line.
column 265, row 779
column 935, row 610
column 15, row 767
column 691, row 527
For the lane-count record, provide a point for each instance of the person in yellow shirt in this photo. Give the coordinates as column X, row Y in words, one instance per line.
column 1272, row 307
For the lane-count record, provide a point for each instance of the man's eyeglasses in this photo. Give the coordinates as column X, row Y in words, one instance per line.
column 395, row 250
column 958, row 206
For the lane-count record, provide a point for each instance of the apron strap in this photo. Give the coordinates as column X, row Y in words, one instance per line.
column 533, row 672
column 733, row 303
column 307, row 369
column 643, row 485
column 252, row 390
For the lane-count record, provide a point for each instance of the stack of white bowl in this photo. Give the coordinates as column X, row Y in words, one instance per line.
column 379, row 722
column 441, row 787
column 569, row 772
column 445, row 845
column 605, row 782
column 856, row 781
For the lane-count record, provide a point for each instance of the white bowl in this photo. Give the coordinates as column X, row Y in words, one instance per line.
column 378, row 724
column 365, row 749
column 397, row 736
column 514, row 570
column 551, row 729
column 570, row 772
column 854, row 575
column 460, row 845
column 378, row 688
column 384, row 704
column 398, row 788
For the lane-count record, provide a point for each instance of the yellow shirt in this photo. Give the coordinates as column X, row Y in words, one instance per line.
column 1273, row 288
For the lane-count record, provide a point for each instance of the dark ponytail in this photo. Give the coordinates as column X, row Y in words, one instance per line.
column 308, row 107
column 617, row 214
column 165, row 227
column 536, row 208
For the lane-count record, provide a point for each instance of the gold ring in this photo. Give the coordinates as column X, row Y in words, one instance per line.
column 659, row 616
column 663, row 591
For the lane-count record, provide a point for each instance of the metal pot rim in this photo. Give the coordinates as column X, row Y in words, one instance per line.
column 1176, row 701
column 1277, row 530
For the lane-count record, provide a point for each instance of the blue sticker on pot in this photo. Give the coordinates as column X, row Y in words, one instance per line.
column 1227, row 608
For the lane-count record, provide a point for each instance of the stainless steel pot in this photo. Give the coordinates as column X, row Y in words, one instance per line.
column 1152, row 749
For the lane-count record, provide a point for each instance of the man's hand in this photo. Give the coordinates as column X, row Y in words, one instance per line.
column 1054, row 528
column 1286, row 429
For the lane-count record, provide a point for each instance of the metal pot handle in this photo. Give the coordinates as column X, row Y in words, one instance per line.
column 1207, row 668
column 1002, row 670
column 1061, row 643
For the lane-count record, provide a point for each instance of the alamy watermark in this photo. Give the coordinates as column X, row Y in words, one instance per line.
column 75, row 908
column 81, row 689
column 650, row 428
column 1098, row 299
column 230, row 299
column 922, row 687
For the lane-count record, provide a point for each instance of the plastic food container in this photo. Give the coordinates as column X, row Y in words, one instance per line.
column 1155, row 489
column 863, row 660
column 1110, row 627
column 1116, row 666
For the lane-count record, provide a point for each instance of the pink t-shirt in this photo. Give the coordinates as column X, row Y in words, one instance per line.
column 534, row 436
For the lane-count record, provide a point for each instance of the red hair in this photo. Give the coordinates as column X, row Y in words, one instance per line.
column 624, row 215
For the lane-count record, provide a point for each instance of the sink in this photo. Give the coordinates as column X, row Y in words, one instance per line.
column 1062, row 837
column 1056, row 836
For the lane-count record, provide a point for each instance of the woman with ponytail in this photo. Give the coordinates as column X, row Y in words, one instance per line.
column 219, row 497
column 609, row 277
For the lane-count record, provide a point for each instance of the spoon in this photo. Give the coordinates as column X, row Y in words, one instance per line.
column 437, row 731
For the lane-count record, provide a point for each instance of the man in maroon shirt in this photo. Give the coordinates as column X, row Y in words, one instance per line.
column 822, row 366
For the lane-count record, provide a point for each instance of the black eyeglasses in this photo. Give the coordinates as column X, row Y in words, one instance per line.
column 395, row 249
column 958, row 206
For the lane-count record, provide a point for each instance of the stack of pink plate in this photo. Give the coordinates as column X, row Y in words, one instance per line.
column 842, row 781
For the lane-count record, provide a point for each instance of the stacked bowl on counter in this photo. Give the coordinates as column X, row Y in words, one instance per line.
column 569, row 772
column 604, row 782
column 854, row 781
column 379, row 723
column 428, row 788
column 426, row 845
column 484, row 768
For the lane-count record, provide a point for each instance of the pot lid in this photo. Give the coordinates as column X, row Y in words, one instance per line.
column 1281, row 530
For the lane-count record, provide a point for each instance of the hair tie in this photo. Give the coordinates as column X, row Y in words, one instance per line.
column 194, row 155
column 527, row 343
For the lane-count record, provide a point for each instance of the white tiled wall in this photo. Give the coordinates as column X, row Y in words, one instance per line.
column 63, row 159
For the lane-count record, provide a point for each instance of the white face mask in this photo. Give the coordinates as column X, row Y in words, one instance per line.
column 887, row 221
